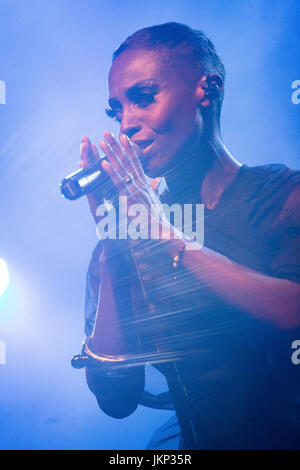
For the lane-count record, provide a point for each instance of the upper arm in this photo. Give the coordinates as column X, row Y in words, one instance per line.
column 286, row 238
column 92, row 288
column 116, row 396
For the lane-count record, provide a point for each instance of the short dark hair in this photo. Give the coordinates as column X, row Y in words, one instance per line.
column 187, row 43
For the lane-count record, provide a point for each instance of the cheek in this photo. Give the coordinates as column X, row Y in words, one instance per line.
column 161, row 120
column 167, row 123
column 161, row 115
column 174, row 119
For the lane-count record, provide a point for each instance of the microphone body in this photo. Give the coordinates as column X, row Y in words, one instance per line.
column 86, row 180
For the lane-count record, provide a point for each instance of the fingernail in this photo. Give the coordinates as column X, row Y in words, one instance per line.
column 108, row 134
column 105, row 163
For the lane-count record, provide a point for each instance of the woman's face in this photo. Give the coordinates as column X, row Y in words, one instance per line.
column 155, row 105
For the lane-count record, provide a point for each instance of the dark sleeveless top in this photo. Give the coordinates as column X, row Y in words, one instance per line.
column 242, row 391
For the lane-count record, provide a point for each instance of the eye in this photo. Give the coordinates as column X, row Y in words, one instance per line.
column 113, row 114
column 143, row 99
column 139, row 96
column 142, row 96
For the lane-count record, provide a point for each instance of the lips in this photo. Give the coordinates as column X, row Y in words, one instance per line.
column 143, row 144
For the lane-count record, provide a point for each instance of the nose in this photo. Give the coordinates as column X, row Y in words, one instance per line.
column 129, row 122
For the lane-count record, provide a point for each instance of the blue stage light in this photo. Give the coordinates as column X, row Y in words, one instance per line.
column 4, row 276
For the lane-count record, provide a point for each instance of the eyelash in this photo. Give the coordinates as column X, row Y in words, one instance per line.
column 142, row 100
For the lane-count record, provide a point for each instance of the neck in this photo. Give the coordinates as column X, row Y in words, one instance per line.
column 204, row 172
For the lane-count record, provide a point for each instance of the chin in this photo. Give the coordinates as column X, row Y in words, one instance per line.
column 151, row 173
column 150, row 168
column 156, row 167
column 155, row 172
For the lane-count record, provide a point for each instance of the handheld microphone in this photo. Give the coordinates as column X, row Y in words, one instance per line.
column 86, row 180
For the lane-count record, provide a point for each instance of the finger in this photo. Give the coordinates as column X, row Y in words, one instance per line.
column 112, row 157
column 134, row 160
column 95, row 151
column 130, row 163
column 86, row 153
column 115, row 176
column 136, row 151
column 118, row 152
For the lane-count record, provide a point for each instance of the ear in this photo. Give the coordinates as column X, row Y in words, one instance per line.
column 209, row 89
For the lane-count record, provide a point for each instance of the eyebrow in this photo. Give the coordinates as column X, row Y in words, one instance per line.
column 148, row 83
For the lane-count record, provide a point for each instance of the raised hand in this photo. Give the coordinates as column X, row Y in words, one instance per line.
column 89, row 154
column 125, row 170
